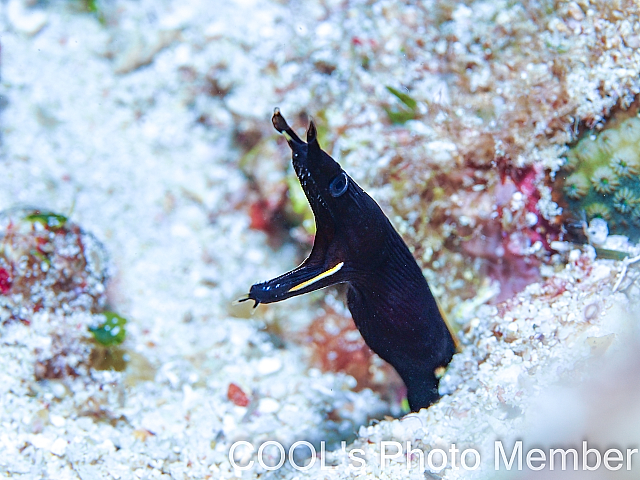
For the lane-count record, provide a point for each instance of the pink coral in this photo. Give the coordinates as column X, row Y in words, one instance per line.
column 515, row 237
column 5, row 281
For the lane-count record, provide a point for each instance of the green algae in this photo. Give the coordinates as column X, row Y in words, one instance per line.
column 50, row 220
column 405, row 111
column 111, row 332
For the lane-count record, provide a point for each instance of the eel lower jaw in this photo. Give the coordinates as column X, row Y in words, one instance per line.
column 301, row 280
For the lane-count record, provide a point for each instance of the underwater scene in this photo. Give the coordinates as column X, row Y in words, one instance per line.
column 333, row 239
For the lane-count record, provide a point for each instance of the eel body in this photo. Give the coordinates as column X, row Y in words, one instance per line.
column 355, row 243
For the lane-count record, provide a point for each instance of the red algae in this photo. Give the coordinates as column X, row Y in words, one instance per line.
column 237, row 396
column 337, row 346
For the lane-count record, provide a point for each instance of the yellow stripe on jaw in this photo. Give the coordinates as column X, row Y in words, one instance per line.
column 317, row 278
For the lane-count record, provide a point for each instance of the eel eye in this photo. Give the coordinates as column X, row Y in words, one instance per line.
column 339, row 185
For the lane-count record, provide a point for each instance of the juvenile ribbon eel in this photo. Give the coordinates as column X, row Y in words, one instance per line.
column 355, row 243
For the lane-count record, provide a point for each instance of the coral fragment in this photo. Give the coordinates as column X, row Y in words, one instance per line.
column 237, row 396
